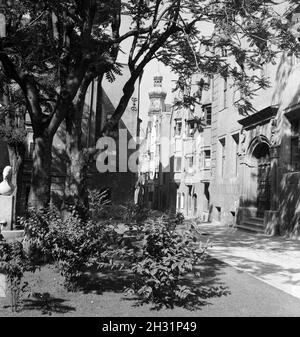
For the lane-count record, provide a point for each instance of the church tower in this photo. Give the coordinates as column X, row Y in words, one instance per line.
column 157, row 96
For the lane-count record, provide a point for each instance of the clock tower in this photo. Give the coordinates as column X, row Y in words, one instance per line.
column 157, row 96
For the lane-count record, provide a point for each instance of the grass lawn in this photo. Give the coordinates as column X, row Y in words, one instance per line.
column 103, row 295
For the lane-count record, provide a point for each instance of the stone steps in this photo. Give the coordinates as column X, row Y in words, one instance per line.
column 253, row 225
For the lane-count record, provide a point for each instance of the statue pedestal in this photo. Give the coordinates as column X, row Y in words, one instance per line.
column 6, row 210
column 2, row 285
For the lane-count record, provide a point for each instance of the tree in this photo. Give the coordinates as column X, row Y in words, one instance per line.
column 13, row 133
column 171, row 32
column 49, row 52
column 54, row 49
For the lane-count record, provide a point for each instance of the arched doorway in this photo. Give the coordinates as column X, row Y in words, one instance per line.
column 261, row 155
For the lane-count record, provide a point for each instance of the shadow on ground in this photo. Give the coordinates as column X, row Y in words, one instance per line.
column 46, row 304
column 207, row 286
column 259, row 255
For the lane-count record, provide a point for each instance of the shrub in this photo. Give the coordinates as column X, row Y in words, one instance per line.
column 98, row 200
column 110, row 212
column 165, row 258
column 13, row 263
column 135, row 213
column 179, row 218
column 74, row 244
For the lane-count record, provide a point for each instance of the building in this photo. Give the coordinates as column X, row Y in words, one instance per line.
column 175, row 154
column 191, row 153
column 255, row 159
column 101, row 100
column 154, row 151
column 239, row 170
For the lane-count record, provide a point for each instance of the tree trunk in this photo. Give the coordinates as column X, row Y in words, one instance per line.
column 75, row 183
column 39, row 196
column 76, row 194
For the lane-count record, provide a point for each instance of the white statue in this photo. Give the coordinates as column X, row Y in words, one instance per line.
column 6, row 187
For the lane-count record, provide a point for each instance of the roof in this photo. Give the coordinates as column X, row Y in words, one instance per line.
column 262, row 116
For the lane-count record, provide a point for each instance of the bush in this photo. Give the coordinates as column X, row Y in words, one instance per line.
column 75, row 245
column 134, row 213
column 13, row 263
column 110, row 212
column 98, row 201
column 165, row 258
column 179, row 218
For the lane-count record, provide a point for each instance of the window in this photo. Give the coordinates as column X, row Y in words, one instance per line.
column 190, row 128
column 225, row 93
column 235, row 152
column 189, row 163
column 207, row 114
column 206, row 158
column 178, row 127
column 177, row 164
column 295, row 153
column 222, row 156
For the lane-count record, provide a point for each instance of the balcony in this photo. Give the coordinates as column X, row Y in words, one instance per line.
column 190, row 176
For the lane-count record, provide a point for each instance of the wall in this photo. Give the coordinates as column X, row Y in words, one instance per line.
column 289, row 204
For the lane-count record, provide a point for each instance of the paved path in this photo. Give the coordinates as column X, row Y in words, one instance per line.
column 274, row 260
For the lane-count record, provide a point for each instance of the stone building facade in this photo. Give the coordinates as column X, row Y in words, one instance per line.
column 240, row 170
column 175, row 154
column 154, row 151
column 255, row 159
column 101, row 101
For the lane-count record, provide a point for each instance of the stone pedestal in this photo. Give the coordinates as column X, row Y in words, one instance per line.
column 6, row 211
column 2, row 285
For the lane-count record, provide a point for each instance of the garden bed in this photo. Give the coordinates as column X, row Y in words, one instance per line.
column 102, row 295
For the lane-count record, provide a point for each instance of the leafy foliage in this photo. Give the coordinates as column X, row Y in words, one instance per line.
column 165, row 258
column 244, row 36
column 97, row 202
column 13, row 263
column 73, row 244
column 134, row 213
column 159, row 257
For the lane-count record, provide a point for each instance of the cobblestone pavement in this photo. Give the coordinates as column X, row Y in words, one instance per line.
column 274, row 260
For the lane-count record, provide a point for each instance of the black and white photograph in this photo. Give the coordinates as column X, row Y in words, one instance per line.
column 150, row 161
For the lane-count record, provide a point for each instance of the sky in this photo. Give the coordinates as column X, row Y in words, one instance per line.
column 154, row 67
column 150, row 70
column 147, row 83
